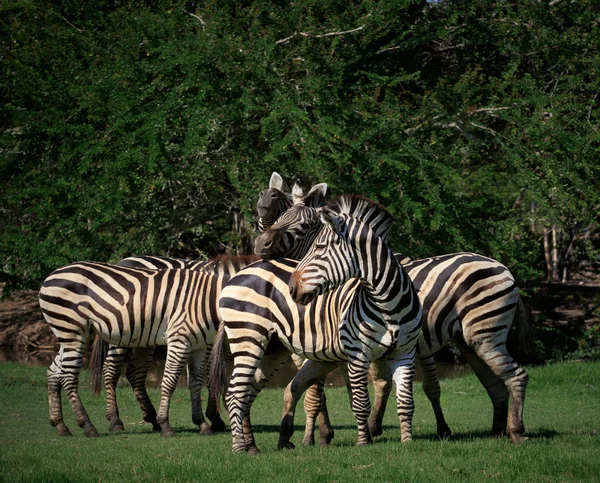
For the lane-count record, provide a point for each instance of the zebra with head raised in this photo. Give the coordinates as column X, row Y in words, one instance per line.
column 129, row 307
column 141, row 357
column 373, row 314
column 468, row 299
column 272, row 202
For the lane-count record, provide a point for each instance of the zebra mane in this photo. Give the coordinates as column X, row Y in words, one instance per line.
column 366, row 210
column 228, row 264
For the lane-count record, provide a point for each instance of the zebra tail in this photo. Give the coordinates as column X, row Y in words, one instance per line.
column 524, row 327
column 217, row 378
column 97, row 358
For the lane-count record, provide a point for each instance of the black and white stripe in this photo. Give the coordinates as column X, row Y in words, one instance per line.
column 140, row 358
column 467, row 298
column 367, row 317
column 129, row 307
column 272, row 202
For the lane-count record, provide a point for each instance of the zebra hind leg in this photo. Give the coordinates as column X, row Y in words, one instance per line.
column 112, row 371
column 54, row 397
column 493, row 384
column 310, row 373
column 195, row 376
column 515, row 379
column 431, row 387
column 137, row 372
column 315, row 407
column 176, row 359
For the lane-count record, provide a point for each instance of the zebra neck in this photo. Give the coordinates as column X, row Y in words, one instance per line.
column 384, row 284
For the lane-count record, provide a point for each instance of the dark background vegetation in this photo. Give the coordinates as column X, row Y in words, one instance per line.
column 149, row 127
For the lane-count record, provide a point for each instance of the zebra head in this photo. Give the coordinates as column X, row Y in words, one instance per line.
column 352, row 244
column 272, row 202
column 295, row 230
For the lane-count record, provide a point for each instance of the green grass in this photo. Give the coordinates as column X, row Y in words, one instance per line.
column 562, row 417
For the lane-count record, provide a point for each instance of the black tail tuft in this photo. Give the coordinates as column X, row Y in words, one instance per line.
column 97, row 358
column 217, row 378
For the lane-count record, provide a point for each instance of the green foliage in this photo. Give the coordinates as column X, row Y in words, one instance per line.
column 143, row 127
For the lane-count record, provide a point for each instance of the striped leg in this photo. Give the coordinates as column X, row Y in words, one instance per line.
column 361, row 405
column 69, row 378
column 54, row 396
column 112, row 371
column 403, row 375
column 176, row 359
column 195, row 376
column 310, row 372
column 381, row 375
column 431, row 387
column 250, row 374
column 315, row 407
column 515, row 379
column 137, row 371
column 494, row 386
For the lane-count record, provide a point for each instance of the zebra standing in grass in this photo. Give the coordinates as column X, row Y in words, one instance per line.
column 374, row 314
column 468, row 299
column 129, row 307
column 141, row 357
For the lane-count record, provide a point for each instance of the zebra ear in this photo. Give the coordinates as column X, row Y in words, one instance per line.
column 276, row 181
column 316, row 195
column 332, row 221
column 297, row 194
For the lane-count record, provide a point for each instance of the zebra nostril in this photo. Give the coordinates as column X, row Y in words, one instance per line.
column 273, row 195
column 268, row 244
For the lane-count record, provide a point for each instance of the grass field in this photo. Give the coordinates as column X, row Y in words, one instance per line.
column 562, row 417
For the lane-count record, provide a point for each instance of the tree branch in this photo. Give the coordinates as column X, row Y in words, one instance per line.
column 318, row 36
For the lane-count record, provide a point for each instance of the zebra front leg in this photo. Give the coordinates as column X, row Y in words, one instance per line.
column 69, row 379
column 431, row 387
column 358, row 373
column 382, row 382
column 403, row 375
column 176, row 358
column 310, row 372
column 137, row 372
column 54, row 397
column 112, row 371
column 494, row 386
column 195, row 376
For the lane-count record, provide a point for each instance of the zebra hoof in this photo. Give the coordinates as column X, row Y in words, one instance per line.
column 205, row 430
column 64, row 432
column 116, row 428
column 308, row 442
column 375, row 429
column 218, row 426
column 284, row 446
column 168, row 433
column 156, row 427
column 91, row 432
column 444, row 432
column 518, row 438
column 326, row 438
column 253, row 450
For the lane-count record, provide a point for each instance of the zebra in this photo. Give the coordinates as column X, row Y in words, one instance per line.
column 373, row 314
column 129, row 307
column 272, row 202
column 467, row 298
column 141, row 357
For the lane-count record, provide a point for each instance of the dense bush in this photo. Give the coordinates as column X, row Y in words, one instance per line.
column 138, row 126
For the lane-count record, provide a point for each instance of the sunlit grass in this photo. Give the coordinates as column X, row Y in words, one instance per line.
column 562, row 417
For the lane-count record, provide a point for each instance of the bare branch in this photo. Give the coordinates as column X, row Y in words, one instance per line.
column 196, row 17
column 318, row 36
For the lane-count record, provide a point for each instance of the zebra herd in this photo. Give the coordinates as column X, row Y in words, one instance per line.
column 327, row 290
